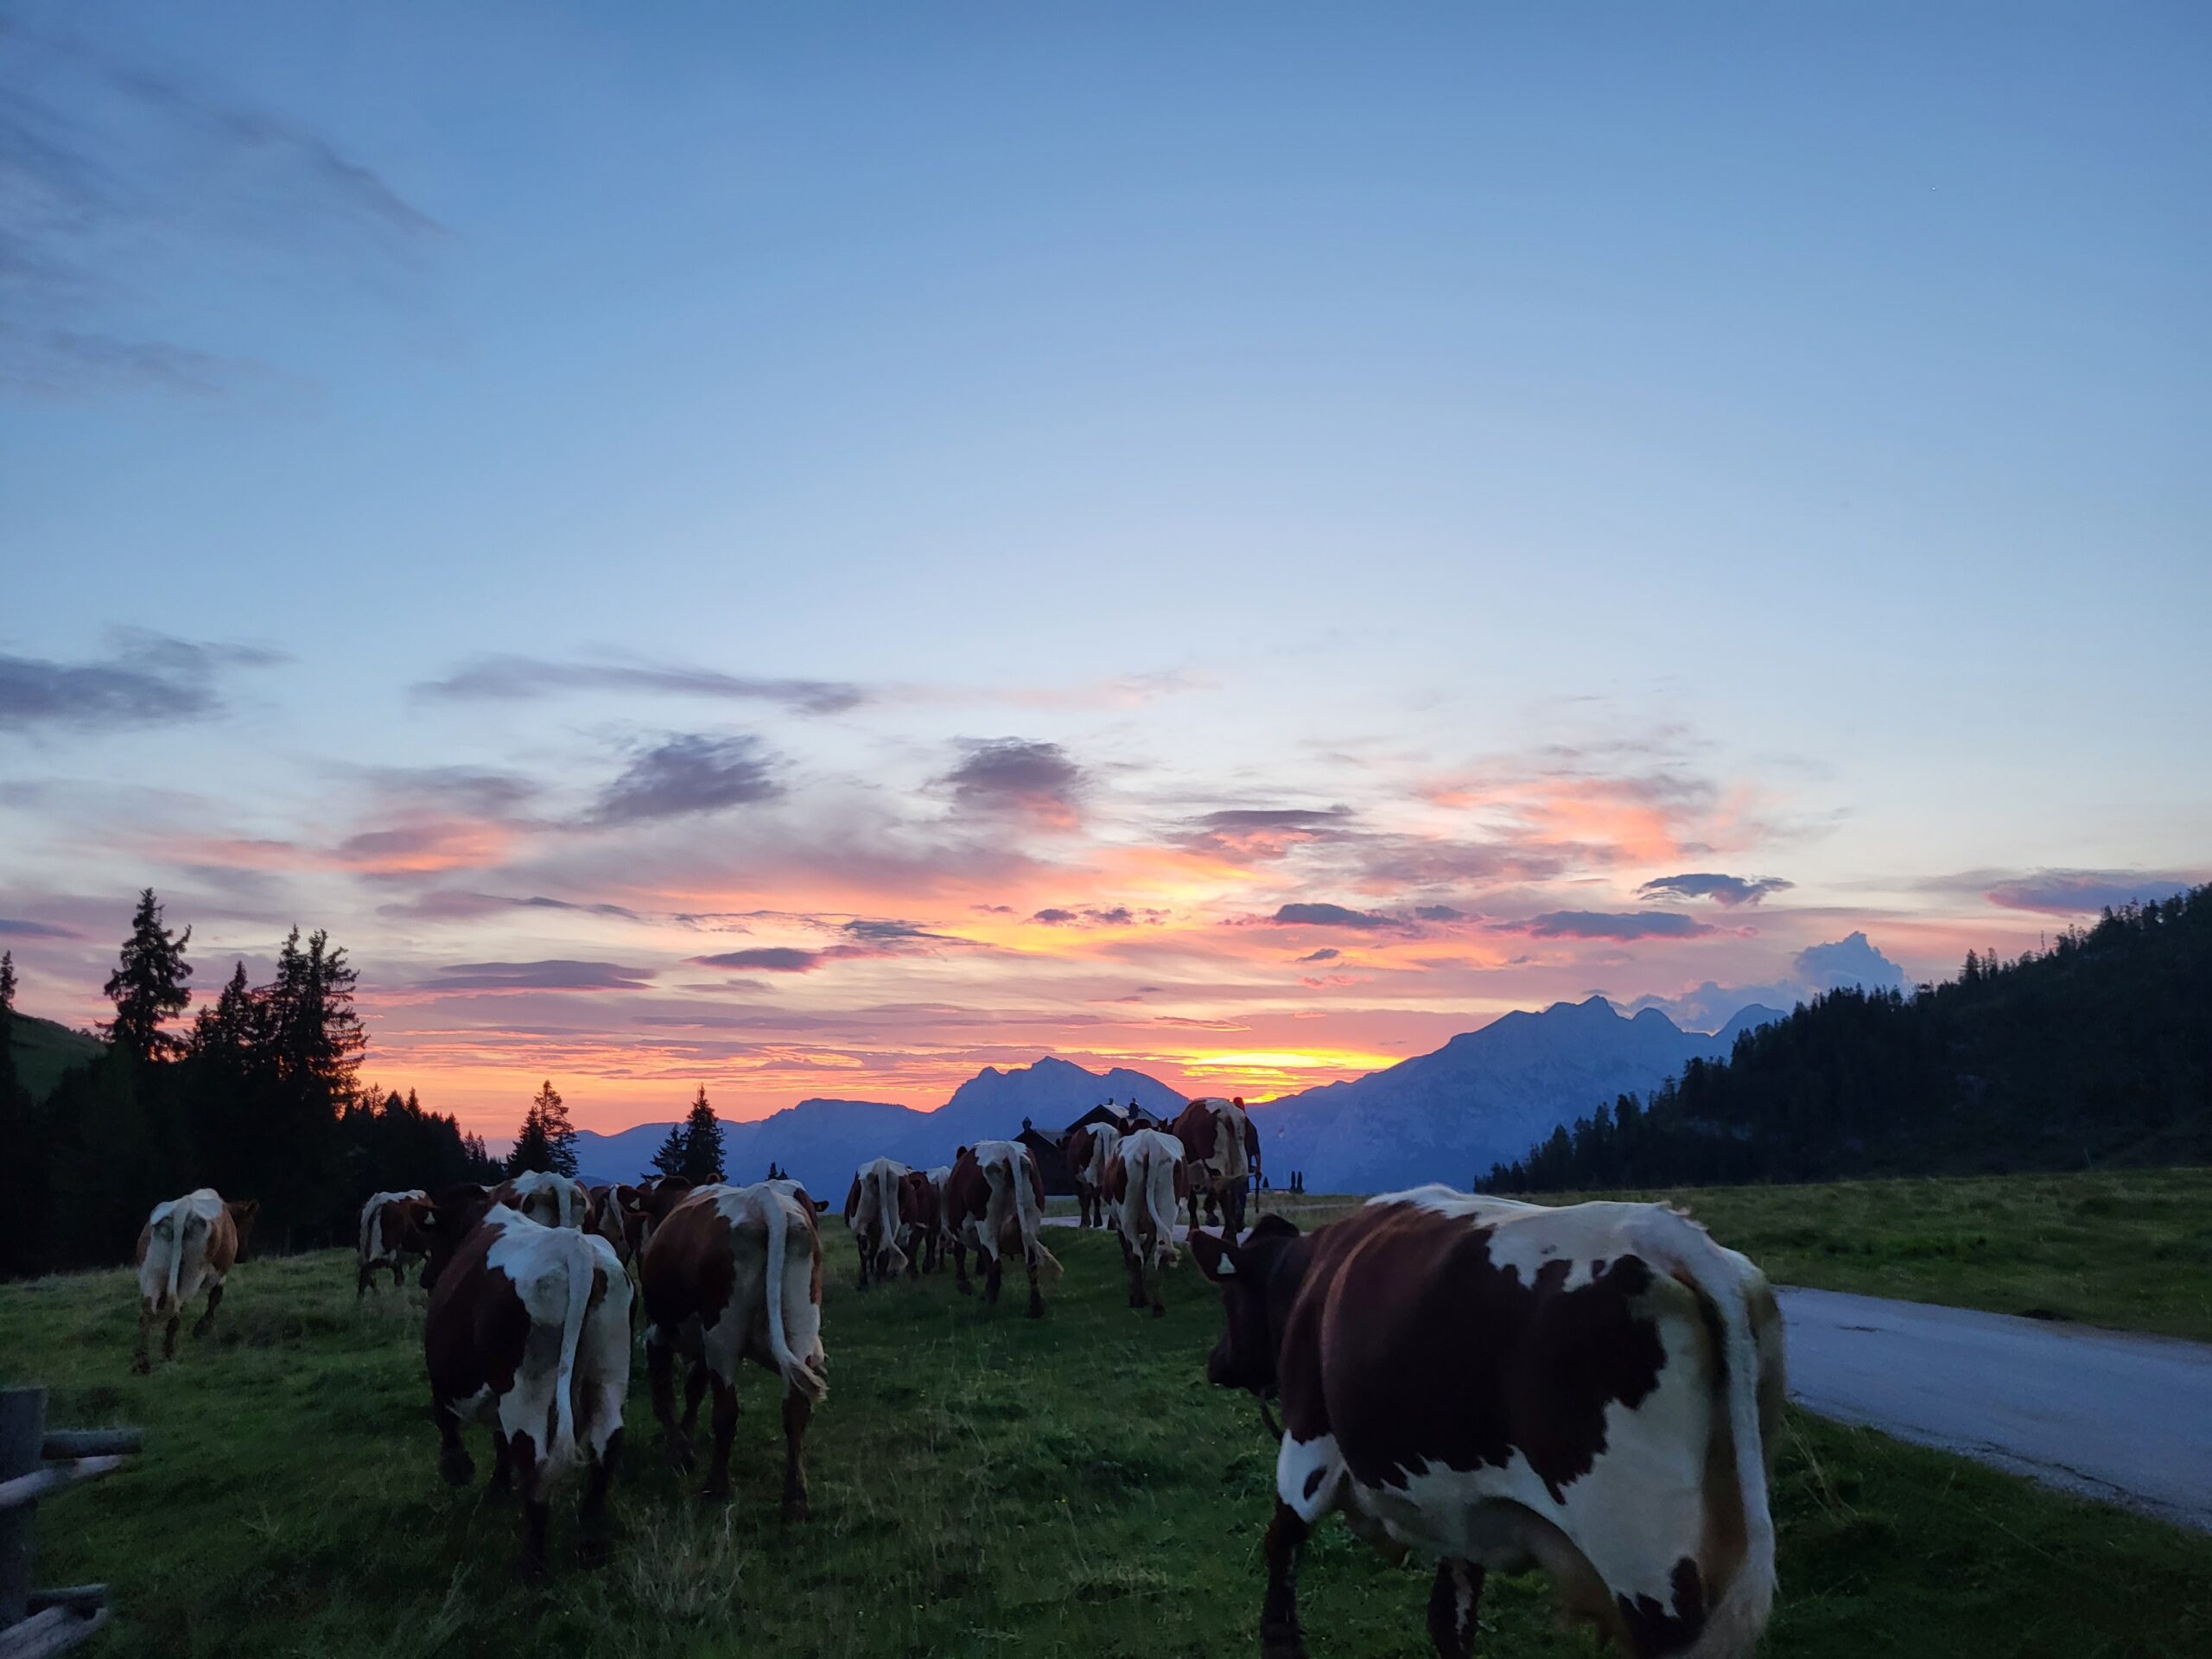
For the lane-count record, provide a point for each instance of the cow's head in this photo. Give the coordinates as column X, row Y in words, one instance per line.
column 243, row 1211
column 1258, row 1279
column 436, row 1228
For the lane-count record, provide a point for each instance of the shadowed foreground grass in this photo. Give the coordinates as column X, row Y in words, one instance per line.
column 2130, row 1249
column 983, row 1485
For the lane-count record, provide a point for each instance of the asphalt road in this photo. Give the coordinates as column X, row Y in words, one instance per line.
column 2123, row 1418
column 2127, row 1418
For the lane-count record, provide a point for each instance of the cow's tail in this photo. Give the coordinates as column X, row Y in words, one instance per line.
column 886, row 1217
column 1733, row 1629
column 797, row 1372
column 1160, row 1198
column 1029, row 1209
column 580, row 1275
column 174, row 1301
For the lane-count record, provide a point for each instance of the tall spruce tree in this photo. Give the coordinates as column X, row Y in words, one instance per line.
column 148, row 987
column 7, row 1028
column 547, row 1139
column 703, row 1143
column 669, row 1159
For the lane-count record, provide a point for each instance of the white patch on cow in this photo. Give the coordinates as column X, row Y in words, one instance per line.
column 1147, row 1220
column 876, row 1221
column 568, row 1389
column 175, row 1268
column 772, row 1316
column 372, row 1248
column 551, row 1200
column 1298, row 1463
column 1005, row 1171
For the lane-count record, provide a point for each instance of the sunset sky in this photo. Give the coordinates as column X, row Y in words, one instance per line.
column 813, row 551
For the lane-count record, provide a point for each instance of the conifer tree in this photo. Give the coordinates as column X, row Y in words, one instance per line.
column 547, row 1139
column 702, row 1143
column 148, row 986
column 669, row 1159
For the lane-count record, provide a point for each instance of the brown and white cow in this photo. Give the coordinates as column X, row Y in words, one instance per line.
column 872, row 1211
column 187, row 1245
column 1089, row 1149
column 549, row 1199
column 387, row 1221
column 1146, row 1186
column 735, row 1273
column 995, row 1202
column 1595, row 1390
column 529, row 1331
column 921, row 1221
column 1220, row 1152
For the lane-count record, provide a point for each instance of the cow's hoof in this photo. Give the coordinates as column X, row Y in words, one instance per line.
column 795, row 1513
column 458, row 1468
column 142, row 1366
column 1283, row 1641
column 1036, row 1308
column 1158, row 1310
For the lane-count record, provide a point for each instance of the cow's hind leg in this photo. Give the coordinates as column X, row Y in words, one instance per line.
column 361, row 1279
column 1133, row 1261
column 214, row 1301
column 453, row 1462
column 798, row 1411
column 168, row 1335
column 992, row 1280
column 536, row 1511
column 862, row 1242
column 660, row 1369
column 1155, row 1281
column 1036, row 1297
column 591, row 1517
column 1452, row 1603
column 694, row 1390
column 960, row 1281
column 1280, row 1635
column 140, row 1356
column 503, row 1467
column 725, row 1432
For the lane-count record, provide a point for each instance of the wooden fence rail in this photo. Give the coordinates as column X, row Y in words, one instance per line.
column 37, row 1462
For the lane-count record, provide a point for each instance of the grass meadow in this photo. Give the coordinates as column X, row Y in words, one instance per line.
column 983, row 1485
column 2130, row 1249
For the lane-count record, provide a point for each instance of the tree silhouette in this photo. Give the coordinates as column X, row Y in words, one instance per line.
column 148, row 987
column 702, row 1143
column 547, row 1139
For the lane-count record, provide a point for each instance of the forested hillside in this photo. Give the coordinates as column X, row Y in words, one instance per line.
column 2096, row 1051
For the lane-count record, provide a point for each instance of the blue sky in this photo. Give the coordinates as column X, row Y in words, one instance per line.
column 1580, row 450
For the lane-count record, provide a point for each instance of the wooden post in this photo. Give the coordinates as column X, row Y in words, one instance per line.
column 22, row 1443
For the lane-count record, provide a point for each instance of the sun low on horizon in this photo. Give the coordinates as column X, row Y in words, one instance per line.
column 755, row 553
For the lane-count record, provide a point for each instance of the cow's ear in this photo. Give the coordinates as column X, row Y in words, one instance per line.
column 1216, row 1259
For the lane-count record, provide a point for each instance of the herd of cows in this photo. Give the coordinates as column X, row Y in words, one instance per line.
column 1594, row 1389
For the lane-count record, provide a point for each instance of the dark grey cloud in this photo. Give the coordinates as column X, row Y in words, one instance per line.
column 1250, row 820
column 126, row 183
column 548, row 975
column 1730, row 890
column 2076, row 892
column 768, row 958
column 1011, row 774
column 1438, row 913
column 1325, row 915
column 1603, row 925
column 1096, row 916
column 456, row 904
column 867, row 931
column 482, row 790
column 11, row 928
column 148, row 679
column 688, row 775
column 1326, row 953
column 501, row 679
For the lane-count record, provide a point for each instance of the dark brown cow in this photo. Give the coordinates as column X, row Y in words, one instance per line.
column 1595, row 1390
column 388, row 1219
column 528, row 1329
column 995, row 1202
column 735, row 1273
column 1220, row 1150
column 920, row 1222
column 1087, row 1149
column 187, row 1245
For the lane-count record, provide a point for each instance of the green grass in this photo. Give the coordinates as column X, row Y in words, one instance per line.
column 983, row 1485
column 2131, row 1250
column 44, row 1049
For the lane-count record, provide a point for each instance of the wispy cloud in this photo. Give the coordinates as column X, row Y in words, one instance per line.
column 11, row 928
column 2076, row 892
column 148, row 679
column 508, row 678
column 549, row 976
column 1609, row 925
column 1311, row 914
